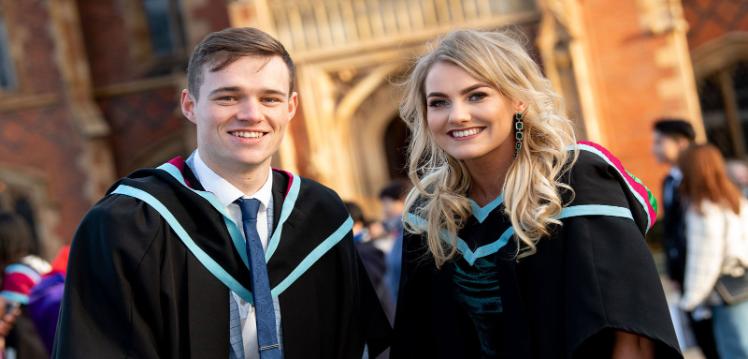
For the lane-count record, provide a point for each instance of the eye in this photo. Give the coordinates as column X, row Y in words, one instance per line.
column 226, row 100
column 271, row 100
column 477, row 96
column 437, row 103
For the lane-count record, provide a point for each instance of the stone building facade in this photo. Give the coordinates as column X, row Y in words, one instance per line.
column 89, row 88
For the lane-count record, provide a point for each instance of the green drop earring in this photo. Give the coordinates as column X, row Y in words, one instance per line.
column 519, row 126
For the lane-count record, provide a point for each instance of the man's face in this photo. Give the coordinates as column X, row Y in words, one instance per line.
column 242, row 113
column 392, row 208
column 666, row 149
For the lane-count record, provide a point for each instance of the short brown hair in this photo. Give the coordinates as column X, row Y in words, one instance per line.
column 705, row 178
column 220, row 49
column 15, row 238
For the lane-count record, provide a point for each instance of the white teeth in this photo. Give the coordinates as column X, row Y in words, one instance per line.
column 247, row 134
column 465, row 133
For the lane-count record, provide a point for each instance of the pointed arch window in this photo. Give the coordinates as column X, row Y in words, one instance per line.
column 165, row 26
column 724, row 105
column 7, row 70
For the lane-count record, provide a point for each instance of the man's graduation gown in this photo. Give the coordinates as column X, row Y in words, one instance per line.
column 137, row 287
column 593, row 275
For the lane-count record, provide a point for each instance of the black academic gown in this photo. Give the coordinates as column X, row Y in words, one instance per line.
column 592, row 276
column 134, row 290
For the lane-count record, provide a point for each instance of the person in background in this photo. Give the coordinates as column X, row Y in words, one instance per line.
column 737, row 170
column 46, row 297
column 371, row 256
column 8, row 316
column 717, row 237
column 21, row 273
column 392, row 198
column 671, row 136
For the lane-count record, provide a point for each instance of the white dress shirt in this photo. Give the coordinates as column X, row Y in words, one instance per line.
column 227, row 194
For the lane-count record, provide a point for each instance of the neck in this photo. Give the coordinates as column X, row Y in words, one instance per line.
column 248, row 179
column 488, row 173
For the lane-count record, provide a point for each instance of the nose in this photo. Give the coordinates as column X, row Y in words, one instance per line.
column 249, row 110
column 458, row 113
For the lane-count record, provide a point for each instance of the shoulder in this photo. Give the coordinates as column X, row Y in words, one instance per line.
column 598, row 177
column 319, row 197
column 119, row 222
column 596, row 163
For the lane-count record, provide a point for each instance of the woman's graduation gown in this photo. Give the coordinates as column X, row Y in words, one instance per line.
column 592, row 276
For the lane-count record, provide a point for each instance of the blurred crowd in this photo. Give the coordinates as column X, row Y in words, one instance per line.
column 31, row 292
column 705, row 230
column 379, row 243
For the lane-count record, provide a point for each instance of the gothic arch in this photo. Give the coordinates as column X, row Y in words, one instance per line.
column 28, row 183
column 719, row 53
column 365, row 129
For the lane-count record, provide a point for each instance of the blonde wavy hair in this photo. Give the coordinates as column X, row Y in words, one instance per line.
column 532, row 188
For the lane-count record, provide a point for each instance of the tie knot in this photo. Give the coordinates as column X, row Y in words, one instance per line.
column 249, row 207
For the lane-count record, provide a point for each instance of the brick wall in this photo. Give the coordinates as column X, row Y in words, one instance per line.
column 710, row 19
column 40, row 136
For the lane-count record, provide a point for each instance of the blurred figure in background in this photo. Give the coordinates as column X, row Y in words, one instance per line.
column 20, row 273
column 671, row 138
column 737, row 170
column 8, row 316
column 392, row 198
column 717, row 238
column 46, row 297
column 371, row 257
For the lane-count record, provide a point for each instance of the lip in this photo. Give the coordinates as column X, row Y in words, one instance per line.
column 465, row 138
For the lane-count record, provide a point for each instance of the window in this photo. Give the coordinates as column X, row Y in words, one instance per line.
column 7, row 72
column 724, row 106
column 165, row 26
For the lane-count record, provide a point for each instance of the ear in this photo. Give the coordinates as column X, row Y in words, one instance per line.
column 519, row 106
column 187, row 103
column 293, row 104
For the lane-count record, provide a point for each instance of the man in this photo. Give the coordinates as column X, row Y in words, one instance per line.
column 219, row 256
column 392, row 198
column 671, row 137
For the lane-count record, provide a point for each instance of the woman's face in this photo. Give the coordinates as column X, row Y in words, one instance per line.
column 467, row 117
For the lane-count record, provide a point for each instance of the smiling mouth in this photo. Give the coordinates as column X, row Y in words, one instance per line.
column 247, row 134
column 465, row 133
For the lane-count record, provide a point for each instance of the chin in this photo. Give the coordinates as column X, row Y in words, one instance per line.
column 464, row 155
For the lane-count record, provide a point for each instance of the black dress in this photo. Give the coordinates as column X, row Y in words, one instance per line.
column 593, row 275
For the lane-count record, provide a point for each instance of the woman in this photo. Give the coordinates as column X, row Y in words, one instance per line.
column 518, row 243
column 717, row 235
column 20, row 274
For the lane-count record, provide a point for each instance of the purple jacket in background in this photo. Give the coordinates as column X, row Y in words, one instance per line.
column 44, row 306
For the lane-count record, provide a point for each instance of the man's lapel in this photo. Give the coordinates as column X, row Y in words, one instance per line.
column 280, row 186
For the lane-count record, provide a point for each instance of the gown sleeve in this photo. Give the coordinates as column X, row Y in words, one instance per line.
column 99, row 315
column 611, row 282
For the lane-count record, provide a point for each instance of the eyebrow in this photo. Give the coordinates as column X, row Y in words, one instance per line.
column 462, row 92
column 267, row 91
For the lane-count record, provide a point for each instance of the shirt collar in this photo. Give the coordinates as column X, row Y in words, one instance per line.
column 225, row 191
column 676, row 173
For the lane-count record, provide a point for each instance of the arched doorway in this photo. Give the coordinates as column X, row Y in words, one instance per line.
column 721, row 68
column 13, row 201
column 25, row 193
column 724, row 104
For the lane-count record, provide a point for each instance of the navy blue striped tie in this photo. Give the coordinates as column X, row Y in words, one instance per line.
column 267, row 337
